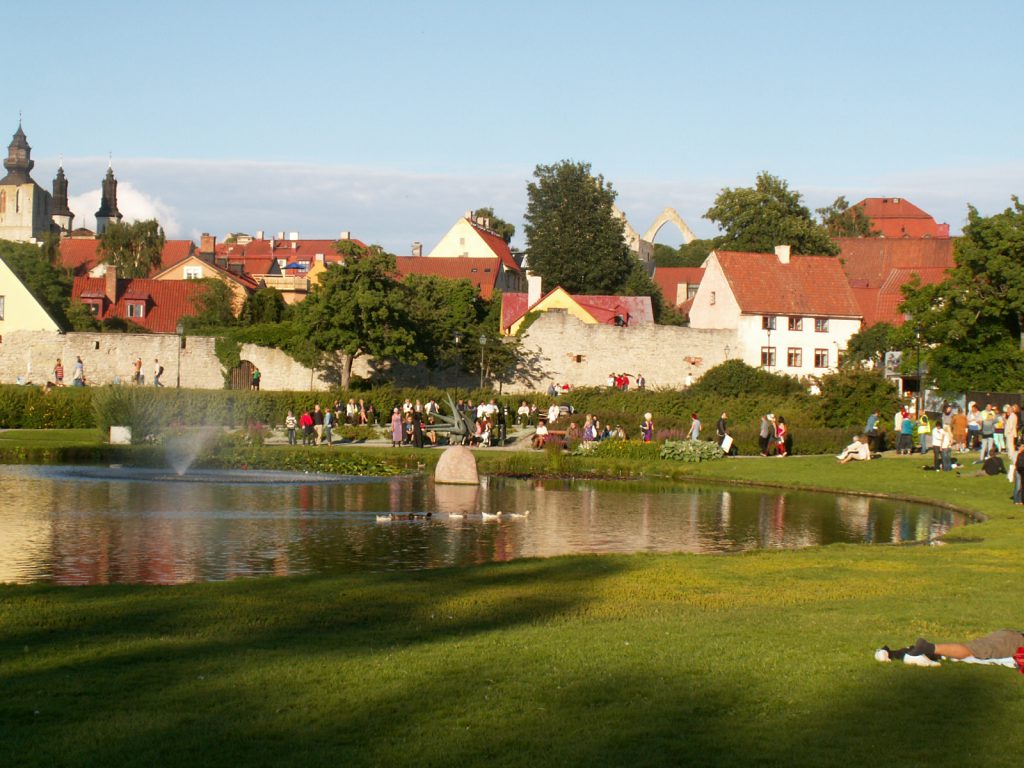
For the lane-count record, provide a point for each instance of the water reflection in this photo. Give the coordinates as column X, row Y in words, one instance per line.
column 65, row 526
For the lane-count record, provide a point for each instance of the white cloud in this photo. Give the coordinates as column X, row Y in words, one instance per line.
column 133, row 204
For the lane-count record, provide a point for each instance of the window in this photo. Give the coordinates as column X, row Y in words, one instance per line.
column 821, row 325
column 94, row 307
column 3, row 301
column 691, row 291
column 136, row 309
column 712, row 298
column 193, row 273
column 796, row 323
column 795, row 357
column 768, row 323
column 768, row 357
column 821, row 358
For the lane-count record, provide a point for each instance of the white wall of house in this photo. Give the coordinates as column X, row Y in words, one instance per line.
column 462, row 240
column 807, row 342
column 714, row 306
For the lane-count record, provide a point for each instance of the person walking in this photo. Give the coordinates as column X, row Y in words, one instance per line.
column 396, row 428
column 781, row 436
column 318, row 424
column 306, row 423
column 764, row 433
column 328, row 424
column 158, row 371
column 137, row 371
column 290, row 422
column 78, row 375
column 256, row 376
column 695, row 426
column 647, row 428
column 58, row 373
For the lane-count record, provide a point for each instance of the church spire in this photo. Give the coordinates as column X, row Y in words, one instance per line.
column 19, row 161
column 62, row 215
column 108, row 203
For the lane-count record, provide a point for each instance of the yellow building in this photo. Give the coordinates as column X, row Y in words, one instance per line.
column 19, row 309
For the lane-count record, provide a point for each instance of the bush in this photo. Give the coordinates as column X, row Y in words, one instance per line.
column 734, row 378
column 136, row 407
column 849, row 396
column 693, row 451
column 618, row 449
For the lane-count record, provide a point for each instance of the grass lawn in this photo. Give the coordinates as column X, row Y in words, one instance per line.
column 754, row 659
column 49, row 438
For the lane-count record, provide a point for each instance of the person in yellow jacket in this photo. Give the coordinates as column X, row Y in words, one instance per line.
column 924, row 432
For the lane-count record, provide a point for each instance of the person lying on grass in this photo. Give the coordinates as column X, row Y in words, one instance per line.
column 858, row 450
column 1001, row 644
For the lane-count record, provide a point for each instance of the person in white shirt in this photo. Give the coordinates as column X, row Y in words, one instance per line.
column 858, row 450
column 524, row 414
column 553, row 413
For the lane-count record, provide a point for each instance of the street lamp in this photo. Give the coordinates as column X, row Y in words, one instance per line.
column 920, row 386
column 768, row 354
column 180, row 330
column 483, row 344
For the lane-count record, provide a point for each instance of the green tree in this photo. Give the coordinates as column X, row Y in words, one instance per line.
column 574, row 239
column 265, row 305
column 48, row 283
column 690, row 254
column 849, row 395
column 214, row 305
column 770, row 213
column 357, row 309
column 80, row 317
column 971, row 324
column 133, row 249
column 504, row 230
column 843, row 221
column 869, row 345
column 438, row 309
column 639, row 283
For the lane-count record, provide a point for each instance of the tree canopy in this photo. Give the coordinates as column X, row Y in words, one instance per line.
column 133, row 249
column 358, row 308
column 574, row 239
column 770, row 213
column 843, row 221
column 214, row 305
column 505, row 230
column 265, row 305
column 971, row 324
column 35, row 266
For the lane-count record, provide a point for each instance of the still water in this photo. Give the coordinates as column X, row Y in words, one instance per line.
column 74, row 525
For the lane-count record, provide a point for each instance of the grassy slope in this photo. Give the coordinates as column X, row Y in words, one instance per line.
column 756, row 659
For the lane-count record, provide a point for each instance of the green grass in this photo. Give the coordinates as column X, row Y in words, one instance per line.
column 755, row 659
column 49, row 438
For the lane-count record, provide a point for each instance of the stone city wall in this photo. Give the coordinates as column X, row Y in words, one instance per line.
column 29, row 357
column 562, row 349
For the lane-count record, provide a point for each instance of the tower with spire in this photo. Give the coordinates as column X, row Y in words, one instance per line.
column 25, row 207
column 108, row 203
column 61, row 213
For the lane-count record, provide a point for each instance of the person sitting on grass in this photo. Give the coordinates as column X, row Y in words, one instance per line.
column 1001, row 644
column 858, row 450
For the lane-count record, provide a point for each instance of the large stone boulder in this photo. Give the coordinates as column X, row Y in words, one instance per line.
column 457, row 466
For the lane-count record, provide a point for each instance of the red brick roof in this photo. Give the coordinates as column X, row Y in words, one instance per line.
column 638, row 309
column 290, row 250
column 896, row 217
column 168, row 300
column 82, row 254
column 669, row 278
column 808, row 285
column 483, row 273
column 498, row 246
column 881, row 304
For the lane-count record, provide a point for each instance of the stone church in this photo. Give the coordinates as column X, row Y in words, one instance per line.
column 28, row 212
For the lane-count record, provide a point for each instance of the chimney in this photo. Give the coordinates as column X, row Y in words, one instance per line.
column 533, row 289
column 110, row 284
column 469, row 215
column 318, row 258
column 280, row 235
column 484, row 222
column 207, row 243
column 272, row 244
column 293, row 236
column 417, row 249
column 259, row 234
column 345, row 235
column 295, row 245
column 782, row 251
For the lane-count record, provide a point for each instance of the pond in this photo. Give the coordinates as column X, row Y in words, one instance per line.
column 77, row 525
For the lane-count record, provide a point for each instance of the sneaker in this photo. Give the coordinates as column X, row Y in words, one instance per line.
column 882, row 654
column 919, row 660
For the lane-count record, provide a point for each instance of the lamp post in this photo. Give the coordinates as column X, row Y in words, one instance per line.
column 180, row 330
column 768, row 353
column 920, row 386
column 483, row 345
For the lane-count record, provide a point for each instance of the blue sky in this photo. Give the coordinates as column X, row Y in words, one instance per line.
column 391, row 119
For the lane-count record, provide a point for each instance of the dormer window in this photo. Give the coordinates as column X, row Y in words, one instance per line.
column 136, row 309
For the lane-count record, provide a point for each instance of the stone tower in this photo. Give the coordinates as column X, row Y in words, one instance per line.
column 62, row 215
column 24, row 205
column 108, row 203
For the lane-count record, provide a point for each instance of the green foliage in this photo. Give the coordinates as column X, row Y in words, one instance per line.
column 266, row 305
column 35, row 408
column 769, row 214
column 843, row 221
column 133, row 249
column 690, row 254
column 692, row 451
column 80, row 317
column 619, row 449
column 140, row 408
column 214, row 305
column 639, row 283
column 501, row 227
column 359, row 308
column 48, row 283
column 869, row 345
column 575, row 240
column 849, row 396
column 734, row 378
column 972, row 323
column 438, row 309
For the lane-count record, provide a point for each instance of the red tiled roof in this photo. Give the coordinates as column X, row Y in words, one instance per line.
column 292, row 250
column 808, row 285
column 637, row 309
column 168, row 300
column 873, row 258
column 483, row 273
column 498, row 246
column 669, row 278
column 896, row 217
column 82, row 254
column 880, row 304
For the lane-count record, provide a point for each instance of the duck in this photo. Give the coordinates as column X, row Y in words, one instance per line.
column 489, row 516
column 455, row 515
column 520, row 515
column 383, row 518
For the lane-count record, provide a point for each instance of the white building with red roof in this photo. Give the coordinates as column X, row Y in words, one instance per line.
column 791, row 314
column 471, row 239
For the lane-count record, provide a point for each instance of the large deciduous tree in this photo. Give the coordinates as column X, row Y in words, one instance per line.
column 265, row 305
column 439, row 309
column 843, row 221
column 358, row 308
column 972, row 325
column 574, row 239
column 133, row 249
column 768, row 214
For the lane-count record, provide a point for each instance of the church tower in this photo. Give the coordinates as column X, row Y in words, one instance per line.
column 24, row 205
column 62, row 215
column 108, row 203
